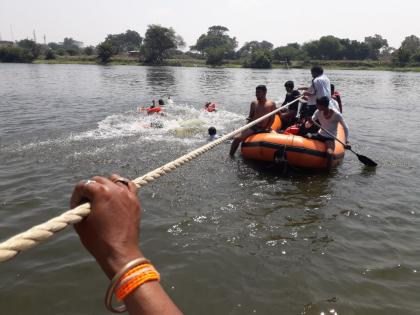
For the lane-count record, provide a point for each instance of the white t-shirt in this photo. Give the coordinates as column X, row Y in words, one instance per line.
column 330, row 124
column 322, row 86
column 312, row 96
column 334, row 105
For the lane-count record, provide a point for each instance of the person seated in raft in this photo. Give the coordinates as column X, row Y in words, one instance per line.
column 288, row 115
column 258, row 108
column 328, row 119
column 210, row 107
column 212, row 133
column 335, row 95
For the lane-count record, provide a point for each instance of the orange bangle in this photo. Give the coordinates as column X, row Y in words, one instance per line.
column 116, row 280
column 134, row 278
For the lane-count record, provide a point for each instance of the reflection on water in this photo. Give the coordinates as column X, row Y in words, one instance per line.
column 288, row 240
column 160, row 79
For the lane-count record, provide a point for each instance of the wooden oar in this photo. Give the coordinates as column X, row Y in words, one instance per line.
column 364, row 159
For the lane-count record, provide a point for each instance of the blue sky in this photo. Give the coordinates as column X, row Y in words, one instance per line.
column 279, row 22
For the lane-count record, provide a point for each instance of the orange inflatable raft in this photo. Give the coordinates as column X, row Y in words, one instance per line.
column 293, row 149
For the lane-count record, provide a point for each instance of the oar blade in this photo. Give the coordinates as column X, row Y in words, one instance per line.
column 365, row 160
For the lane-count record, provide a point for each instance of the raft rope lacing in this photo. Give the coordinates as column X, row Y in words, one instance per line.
column 32, row 237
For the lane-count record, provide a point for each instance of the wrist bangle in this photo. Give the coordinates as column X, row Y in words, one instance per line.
column 135, row 278
column 115, row 281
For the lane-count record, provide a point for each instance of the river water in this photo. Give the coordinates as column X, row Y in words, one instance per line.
column 228, row 236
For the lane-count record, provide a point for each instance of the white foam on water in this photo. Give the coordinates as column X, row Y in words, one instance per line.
column 181, row 123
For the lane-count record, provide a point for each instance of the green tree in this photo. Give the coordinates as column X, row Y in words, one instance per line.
column 61, row 52
column 31, row 46
column 49, row 55
column 401, row 56
column 215, row 55
column 330, row 48
column 15, row 54
column 354, row 50
column 158, row 41
column 375, row 44
column 409, row 47
column 105, row 51
column 72, row 51
column 216, row 45
column 249, row 47
column 416, row 56
column 286, row 53
column 411, row 44
column 125, row 42
column 70, row 46
column 259, row 58
column 89, row 50
column 312, row 49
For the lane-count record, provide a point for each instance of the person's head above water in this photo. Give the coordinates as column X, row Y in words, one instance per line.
column 161, row 102
column 212, row 131
column 207, row 104
column 316, row 71
column 261, row 92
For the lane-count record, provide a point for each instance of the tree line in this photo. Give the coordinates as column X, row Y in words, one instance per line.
column 217, row 47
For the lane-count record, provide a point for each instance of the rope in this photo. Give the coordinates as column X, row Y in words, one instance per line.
column 32, row 237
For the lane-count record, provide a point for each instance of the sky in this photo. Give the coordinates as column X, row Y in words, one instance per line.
column 277, row 21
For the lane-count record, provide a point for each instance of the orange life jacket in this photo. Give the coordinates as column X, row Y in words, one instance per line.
column 154, row 110
column 292, row 130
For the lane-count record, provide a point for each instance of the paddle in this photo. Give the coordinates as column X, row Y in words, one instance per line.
column 364, row 159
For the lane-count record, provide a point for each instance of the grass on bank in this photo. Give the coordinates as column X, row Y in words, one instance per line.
column 191, row 62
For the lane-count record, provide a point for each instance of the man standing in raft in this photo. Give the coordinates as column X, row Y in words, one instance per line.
column 258, row 108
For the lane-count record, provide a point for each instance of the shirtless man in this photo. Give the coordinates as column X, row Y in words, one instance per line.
column 258, row 108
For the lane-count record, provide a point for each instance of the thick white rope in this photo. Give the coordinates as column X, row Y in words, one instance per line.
column 32, row 237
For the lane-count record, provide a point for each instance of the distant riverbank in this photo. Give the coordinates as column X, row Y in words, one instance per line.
column 190, row 62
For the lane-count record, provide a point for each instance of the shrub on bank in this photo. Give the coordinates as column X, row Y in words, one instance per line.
column 15, row 54
column 50, row 55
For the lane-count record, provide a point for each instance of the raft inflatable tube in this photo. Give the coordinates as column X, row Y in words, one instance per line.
column 295, row 150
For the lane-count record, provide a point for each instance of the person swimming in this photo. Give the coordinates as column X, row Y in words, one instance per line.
column 210, row 107
column 152, row 109
column 212, row 133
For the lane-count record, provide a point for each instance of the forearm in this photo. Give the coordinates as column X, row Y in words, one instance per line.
column 269, row 122
column 147, row 299
column 150, row 299
column 346, row 130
